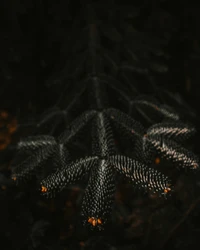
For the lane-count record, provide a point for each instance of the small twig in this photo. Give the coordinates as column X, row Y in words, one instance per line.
column 177, row 225
column 147, row 235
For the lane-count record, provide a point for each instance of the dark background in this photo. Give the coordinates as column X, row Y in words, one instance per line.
column 32, row 34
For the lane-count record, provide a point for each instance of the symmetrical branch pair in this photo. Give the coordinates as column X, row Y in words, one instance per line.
column 103, row 163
